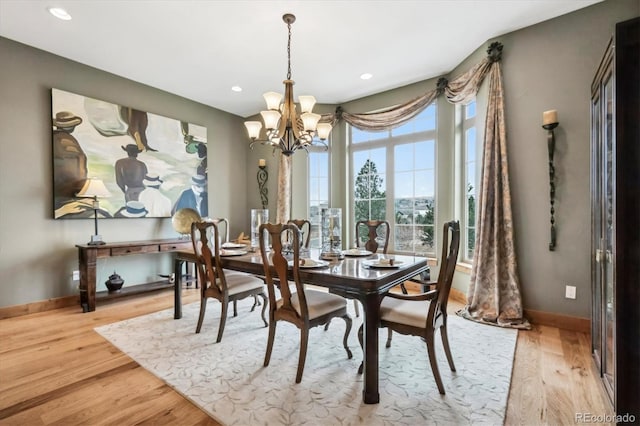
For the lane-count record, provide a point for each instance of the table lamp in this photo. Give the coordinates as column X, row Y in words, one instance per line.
column 94, row 188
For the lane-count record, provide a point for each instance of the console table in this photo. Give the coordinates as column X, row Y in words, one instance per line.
column 88, row 254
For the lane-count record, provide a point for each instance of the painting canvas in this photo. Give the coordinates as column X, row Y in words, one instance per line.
column 150, row 165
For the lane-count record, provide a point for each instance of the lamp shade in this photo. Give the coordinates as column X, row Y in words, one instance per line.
column 323, row 130
column 310, row 121
column 270, row 118
column 94, row 188
column 306, row 103
column 253, row 128
column 273, row 100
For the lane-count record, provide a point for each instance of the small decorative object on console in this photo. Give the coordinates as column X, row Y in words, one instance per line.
column 114, row 283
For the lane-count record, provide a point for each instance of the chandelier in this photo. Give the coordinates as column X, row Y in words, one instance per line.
column 284, row 129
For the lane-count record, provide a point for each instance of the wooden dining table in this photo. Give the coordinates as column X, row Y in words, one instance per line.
column 349, row 277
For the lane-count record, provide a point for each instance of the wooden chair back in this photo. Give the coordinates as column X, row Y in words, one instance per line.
column 305, row 228
column 205, row 238
column 375, row 229
column 278, row 233
column 448, row 259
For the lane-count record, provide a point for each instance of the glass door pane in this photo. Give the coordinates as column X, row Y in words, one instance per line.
column 596, row 238
column 609, row 224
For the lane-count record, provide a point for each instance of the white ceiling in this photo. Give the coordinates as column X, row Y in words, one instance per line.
column 198, row 49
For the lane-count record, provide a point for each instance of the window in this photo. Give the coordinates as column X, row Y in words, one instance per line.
column 414, row 196
column 318, row 169
column 470, row 191
column 393, row 179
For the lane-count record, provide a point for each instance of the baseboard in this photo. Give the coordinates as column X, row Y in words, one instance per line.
column 550, row 319
column 40, row 306
column 565, row 322
column 458, row 296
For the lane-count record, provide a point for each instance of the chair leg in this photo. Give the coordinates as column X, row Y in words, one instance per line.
column 223, row 320
column 361, row 340
column 264, row 308
column 355, row 306
column 304, row 341
column 203, row 308
column 326, row 326
column 347, row 320
column 389, row 336
column 256, row 302
column 432, row 360
column 447, row 349
column 272, row 335
column 196, row 275
column 235, row 308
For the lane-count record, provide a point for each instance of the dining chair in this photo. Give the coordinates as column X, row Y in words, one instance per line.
column 373, row 229
column 223, row 228
column 424, row 313
column 305, row 228
column 218, row 283
column 304, row 308
column 377, row 230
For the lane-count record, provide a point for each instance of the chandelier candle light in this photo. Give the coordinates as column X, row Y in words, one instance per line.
column 94, row 188
column 284, row 129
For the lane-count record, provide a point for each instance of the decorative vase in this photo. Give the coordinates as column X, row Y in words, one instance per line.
column 258, row 217
column 331, row 234
column 114, row 283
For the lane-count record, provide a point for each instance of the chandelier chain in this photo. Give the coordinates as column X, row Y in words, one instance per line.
column 289, row 53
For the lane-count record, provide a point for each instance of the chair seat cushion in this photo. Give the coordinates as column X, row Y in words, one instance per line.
column 318, row 302
column 408, row 312
column 241, row 282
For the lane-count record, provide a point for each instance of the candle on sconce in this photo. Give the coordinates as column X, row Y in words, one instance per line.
column 262, row 162
column 549, row 117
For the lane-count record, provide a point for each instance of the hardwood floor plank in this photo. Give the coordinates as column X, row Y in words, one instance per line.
column 527, row 404
column 587, row 395
column 41, row 398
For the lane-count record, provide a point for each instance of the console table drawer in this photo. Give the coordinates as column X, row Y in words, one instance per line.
column 177, row 246
column 121, row 251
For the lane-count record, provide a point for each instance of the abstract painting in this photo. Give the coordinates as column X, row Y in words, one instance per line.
column 151, row 165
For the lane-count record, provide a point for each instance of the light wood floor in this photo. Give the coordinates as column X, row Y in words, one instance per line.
column 54, row 369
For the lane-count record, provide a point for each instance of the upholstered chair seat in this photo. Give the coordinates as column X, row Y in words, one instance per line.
column 319, row 303
column 238, row 283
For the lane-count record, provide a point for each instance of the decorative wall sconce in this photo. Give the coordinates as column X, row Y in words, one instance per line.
column 550, row 122
column 263, row 176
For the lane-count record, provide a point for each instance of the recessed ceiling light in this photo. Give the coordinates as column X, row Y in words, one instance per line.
column 236, row 88
column 60, row 13
column 366, row 76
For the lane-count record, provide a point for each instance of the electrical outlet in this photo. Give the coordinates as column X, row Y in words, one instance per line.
column 76, row 275
column 570, row 292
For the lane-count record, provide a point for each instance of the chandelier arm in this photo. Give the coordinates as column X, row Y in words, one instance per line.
column 324, row 144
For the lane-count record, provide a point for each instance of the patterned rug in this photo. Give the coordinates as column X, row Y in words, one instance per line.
column 228, row 380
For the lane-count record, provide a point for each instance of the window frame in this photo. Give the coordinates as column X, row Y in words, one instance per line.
column 466, row 123
column 311, row 150
column 389, row 142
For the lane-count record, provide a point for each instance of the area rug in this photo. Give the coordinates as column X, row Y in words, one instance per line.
column 228, row 380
